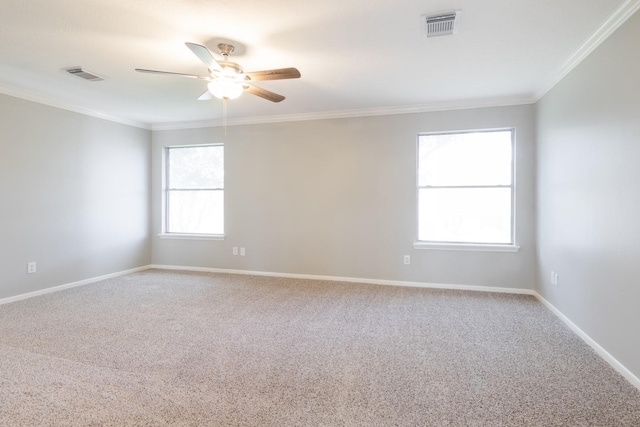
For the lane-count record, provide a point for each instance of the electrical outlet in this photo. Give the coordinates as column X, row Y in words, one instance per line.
column 235, row 250
column 242, row 252
column 407, row 260
column 31, row 267
column 555, row 279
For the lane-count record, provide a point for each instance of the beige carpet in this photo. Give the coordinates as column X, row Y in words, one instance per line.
column 173, row 348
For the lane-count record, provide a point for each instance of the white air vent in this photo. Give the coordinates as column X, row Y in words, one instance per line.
column 443, row 24
column 78, row 71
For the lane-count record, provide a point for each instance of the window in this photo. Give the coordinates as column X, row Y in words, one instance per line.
column 194, row 190
column 465, row 189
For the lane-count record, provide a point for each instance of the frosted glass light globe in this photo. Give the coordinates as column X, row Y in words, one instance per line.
column 225, row 88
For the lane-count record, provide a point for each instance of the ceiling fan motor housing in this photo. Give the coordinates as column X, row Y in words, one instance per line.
column 230, row 68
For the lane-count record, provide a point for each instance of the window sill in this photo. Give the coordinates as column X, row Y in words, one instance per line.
column 179, row 236
column 466, row 247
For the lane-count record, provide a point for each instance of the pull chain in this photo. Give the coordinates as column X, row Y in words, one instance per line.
column 224, row 116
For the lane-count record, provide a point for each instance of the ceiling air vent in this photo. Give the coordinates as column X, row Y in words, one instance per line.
column 78, row 71
column 443, row 24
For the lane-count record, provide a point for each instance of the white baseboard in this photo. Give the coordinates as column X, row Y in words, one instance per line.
column 615, row 364
column 70, row 285
column 352, row 280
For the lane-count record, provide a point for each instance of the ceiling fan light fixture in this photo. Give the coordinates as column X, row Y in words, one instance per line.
column 226, row 79
column 225, row 88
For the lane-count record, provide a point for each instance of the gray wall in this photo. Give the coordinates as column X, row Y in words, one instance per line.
column 337, row 198
column 74, row 196
column 588, row 131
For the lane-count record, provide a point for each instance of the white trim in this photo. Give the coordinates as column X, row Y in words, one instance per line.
column 40, row 99
column 615, row 364
column 70, row 285
column 179, row 236
column 615, row 21
column 343, row 114
column 619, row 17
column 350, row 279
column 463, row 246
column 466, row 247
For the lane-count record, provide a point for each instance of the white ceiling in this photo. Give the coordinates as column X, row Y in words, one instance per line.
column 357, row 57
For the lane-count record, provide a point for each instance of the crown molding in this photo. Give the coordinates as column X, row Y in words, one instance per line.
column 619, row 17
column 344, row 114
column 29, row 96
column 339, row 114
column 615, row 21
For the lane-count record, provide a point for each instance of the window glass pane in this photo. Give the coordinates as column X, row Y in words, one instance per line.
column 465, row 215
column 196, row 167
column 479, row 158
column 200, row 212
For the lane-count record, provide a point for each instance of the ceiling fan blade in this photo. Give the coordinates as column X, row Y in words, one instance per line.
column 206, row 96
column 278, row 74
column 263, row 93
column 193, row 76
column 205, row 56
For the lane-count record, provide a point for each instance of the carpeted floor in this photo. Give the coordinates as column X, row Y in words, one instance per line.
column 174, row 348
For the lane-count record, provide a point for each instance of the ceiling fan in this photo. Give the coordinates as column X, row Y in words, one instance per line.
column 226, row 79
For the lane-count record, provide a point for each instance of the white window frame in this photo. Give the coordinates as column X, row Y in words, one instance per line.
column 166, row 191
column 461, row 246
